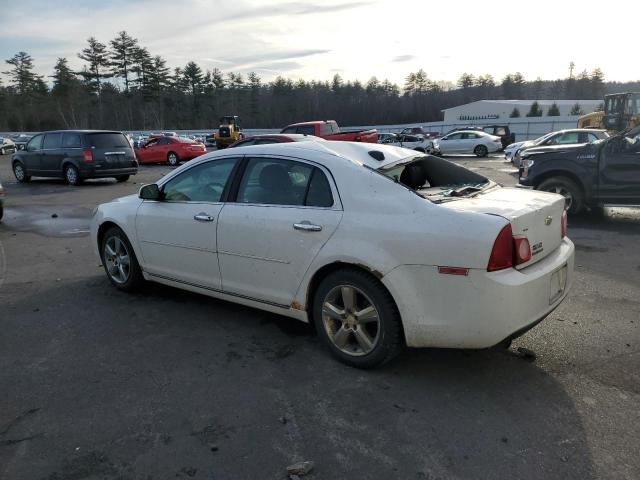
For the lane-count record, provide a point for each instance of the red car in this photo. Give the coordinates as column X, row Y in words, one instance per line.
column 273, row 138
column 329, row 130
column 172, row 150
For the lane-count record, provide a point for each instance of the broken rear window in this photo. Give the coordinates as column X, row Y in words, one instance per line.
column 435, row 178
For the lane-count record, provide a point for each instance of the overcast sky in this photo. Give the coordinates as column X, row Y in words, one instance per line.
column 356, row 38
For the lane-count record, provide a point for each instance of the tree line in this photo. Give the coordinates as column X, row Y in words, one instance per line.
column 123, row 86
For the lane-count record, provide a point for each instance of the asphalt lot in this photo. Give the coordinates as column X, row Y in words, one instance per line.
column 99, row 384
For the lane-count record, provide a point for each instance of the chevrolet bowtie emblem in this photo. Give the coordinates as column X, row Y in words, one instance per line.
column 548, row 220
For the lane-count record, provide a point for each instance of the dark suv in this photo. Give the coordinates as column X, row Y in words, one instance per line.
column 76, row 155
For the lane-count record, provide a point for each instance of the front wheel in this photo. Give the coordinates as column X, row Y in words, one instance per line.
column 119, row 261
column 122, row 178
column 357, row 319
column 172, row 159
column 573, row 196
column 20, row 173
column 481, row 151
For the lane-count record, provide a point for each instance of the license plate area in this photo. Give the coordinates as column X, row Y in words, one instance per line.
column 557, row 284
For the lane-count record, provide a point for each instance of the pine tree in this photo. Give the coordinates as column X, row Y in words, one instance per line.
column 97, row 57
column 535, row 110
column 576, row 110
column 466, row 80
column 121, row 56
column 64, row 79
column 158, row 76
column 553, row 111
column 21, row 76
column 515, row 113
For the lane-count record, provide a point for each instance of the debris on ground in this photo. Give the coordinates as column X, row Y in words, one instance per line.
column 54, row 215
column 526, row 354
column 300, row 468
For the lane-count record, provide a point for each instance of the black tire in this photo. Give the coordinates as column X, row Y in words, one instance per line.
column 481, row 151
column 134, row 279
column 219, row 145
column 574, row 198
column 20, row 172
column 1, row 151
column 389, row 338
column 71, row 174
column 419, row 149
column 1, row 212
column 172, row 159
column 122, row 178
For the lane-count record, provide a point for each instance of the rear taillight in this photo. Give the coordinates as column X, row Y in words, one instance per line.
column 502, row 251
column 87, row 155
column 522, row 250
column 563, row 225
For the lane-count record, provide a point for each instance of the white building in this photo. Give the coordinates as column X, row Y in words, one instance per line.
column 490, row 110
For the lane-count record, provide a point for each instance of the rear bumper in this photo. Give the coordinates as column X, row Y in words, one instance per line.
column 93, row 172
column 478, row 310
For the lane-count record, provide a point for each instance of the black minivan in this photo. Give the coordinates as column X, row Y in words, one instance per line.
column 76, row 155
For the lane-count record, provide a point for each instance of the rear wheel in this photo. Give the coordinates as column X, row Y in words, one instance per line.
column 357, row 318
column 122, row 178
column 573, row 196
column 172, row 158
column 71, row 174
column 481, row 151
column 119, row 261
column 20, row 173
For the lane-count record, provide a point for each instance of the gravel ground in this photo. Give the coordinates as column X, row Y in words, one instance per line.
column 98, row 384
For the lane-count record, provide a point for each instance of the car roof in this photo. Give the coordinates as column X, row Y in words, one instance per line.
column 80, row 131
column 296, row 137
column 354, row 152
column 468, row 131
column 312, row 122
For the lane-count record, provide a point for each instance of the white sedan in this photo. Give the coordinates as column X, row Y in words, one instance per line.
column 379, row 248
column 466, row 142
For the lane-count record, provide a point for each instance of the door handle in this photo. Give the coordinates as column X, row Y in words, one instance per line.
column 203, row 217
column 307, row 226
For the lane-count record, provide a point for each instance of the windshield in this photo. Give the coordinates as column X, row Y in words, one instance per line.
column 435, row 178
column 541, row 139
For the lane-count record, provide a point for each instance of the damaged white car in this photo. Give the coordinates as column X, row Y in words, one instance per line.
column 379, row 246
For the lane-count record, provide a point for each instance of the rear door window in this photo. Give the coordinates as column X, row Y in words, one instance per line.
column 108, row 140
column 271, row 181
column 307, row 130
column 289, row 130
column 52, row 141
column 72, row 140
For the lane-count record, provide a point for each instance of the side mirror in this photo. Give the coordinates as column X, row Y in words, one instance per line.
column 150, row 192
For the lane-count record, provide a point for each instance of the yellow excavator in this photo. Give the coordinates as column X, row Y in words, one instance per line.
column 229, row 131
column 621, row 111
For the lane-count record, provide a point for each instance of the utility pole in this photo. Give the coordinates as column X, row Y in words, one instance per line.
column 571, row 67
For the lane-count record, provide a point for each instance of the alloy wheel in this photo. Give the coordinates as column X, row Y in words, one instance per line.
column 173, row 159
column 351, row 320
column 19, row 172
column 71, row 174
column 117, row 260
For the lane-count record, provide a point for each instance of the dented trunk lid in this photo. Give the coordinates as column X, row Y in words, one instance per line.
column 534, row 214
